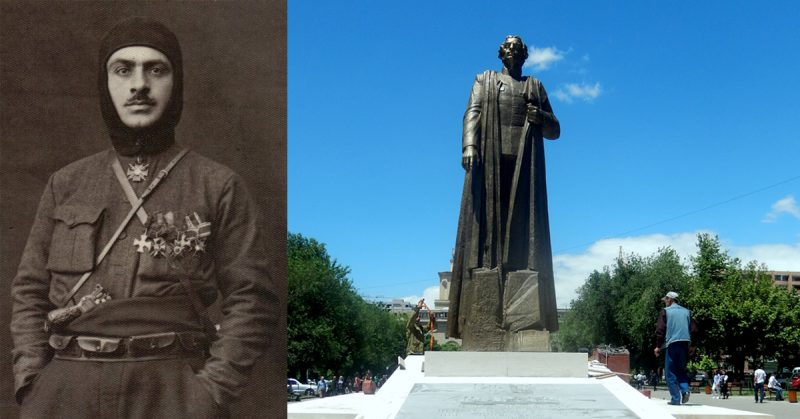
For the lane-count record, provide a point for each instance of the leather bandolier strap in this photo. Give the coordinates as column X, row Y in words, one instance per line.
column 134, row 209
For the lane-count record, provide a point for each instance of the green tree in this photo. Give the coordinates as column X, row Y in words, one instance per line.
column 619, row 305
column 330, row 327
column 739, row 312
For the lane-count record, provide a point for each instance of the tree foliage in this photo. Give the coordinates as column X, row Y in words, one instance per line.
column 619, row 305
column 739, row 312
column 330, row 327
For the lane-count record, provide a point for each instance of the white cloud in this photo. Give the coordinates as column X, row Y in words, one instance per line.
column 786, row 205
column 430, row 294
column 541, row 58
column 571, row 270
column 777, row 257
column 571, row 91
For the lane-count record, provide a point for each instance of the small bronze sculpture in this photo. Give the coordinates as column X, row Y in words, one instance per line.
column 502, row 295
column 415, row 332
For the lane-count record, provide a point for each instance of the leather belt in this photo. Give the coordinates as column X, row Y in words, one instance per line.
column 134, row 348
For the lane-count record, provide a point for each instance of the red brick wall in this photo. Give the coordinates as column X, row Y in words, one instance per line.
column 616, row 362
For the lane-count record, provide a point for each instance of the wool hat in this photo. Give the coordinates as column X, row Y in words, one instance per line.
column 141, row 31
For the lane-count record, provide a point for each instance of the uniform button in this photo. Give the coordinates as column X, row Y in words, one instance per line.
column 122, row 236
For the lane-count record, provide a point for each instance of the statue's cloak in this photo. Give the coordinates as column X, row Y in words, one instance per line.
column 479, row 240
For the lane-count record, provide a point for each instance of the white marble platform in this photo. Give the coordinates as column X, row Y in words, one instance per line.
column 505, row 364
column 436, row 392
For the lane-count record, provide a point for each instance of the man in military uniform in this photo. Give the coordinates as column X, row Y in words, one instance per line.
column 128, row 248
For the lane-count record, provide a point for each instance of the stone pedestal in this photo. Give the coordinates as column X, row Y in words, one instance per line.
column 504, row 364
column 521, row 307
column 504, row 315
column 482, row 331
column 528, row 341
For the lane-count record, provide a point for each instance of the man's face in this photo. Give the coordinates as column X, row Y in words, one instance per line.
column 140, row 84
column 512, row 52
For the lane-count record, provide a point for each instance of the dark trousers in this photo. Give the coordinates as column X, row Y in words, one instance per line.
column 758, row 391
column 165, row 388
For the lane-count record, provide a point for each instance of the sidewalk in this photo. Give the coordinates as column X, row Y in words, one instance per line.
column 781, row 410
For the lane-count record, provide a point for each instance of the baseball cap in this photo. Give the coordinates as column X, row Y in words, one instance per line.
column 672, row 294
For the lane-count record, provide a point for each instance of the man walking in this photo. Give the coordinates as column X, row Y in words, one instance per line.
column 127, row 249
column 759, row 378
column 674, row 329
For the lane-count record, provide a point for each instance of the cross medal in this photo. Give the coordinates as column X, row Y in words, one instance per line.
column 137, row 172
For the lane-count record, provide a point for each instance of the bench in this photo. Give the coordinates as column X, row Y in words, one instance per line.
column 732, row 385
column 772, row 392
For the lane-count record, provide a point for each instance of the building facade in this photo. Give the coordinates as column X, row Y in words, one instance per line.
column 788, row 279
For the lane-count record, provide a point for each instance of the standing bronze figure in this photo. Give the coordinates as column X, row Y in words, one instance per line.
column 502, row 295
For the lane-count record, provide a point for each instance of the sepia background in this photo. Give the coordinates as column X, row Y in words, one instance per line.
column 234, row 112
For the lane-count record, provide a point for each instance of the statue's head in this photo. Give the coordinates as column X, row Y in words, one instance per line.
column 513, row 52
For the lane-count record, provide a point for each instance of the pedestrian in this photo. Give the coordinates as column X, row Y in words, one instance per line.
column 368, row 386
column 123, row 331
column 357, row 383
column 724, row 384
column 654, row 380
column 674, row 329
column 715, row 387
column 759, row 378
column 322, row 386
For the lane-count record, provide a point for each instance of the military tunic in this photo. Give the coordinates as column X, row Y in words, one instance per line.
column 82, row 206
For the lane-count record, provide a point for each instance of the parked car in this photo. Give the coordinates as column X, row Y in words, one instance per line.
column 701, row 378
column 298, row 389
column 794, row 382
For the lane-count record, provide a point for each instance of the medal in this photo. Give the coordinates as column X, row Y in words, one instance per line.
column 137, row 172
column 159, row 247
column 143, row 244
column 165, row 237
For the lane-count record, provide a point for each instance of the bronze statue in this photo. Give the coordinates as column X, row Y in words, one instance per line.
column 502, row 286
column 415, row 332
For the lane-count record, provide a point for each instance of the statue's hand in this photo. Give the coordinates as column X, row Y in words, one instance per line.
column 535, row 115
column 470, row 158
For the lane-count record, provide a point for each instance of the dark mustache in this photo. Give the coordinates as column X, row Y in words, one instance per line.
column 140, row 98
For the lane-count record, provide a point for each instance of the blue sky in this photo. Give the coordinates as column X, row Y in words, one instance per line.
column 676, row 118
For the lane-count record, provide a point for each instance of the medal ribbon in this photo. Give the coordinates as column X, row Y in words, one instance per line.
column 128, row 189
column 134, row 208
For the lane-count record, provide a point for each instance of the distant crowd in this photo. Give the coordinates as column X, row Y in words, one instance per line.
column 721, row 383
column 341, row 385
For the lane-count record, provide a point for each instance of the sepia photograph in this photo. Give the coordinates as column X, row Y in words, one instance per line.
column 143, row 209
